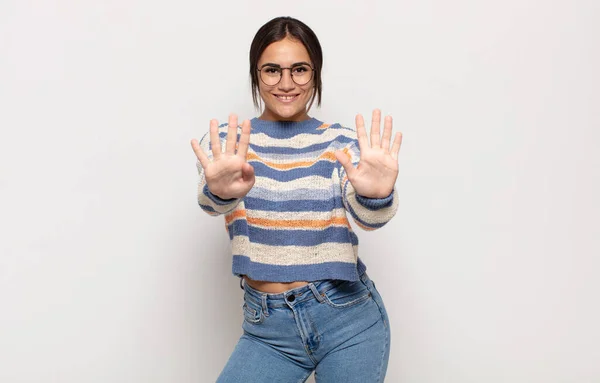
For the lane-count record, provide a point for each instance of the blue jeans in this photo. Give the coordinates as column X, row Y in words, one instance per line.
column 339, row 329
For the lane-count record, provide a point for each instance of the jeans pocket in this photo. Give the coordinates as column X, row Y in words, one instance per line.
column 252, row 312
column 346, row 294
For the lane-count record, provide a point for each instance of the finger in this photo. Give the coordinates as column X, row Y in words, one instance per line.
column 244, row 139
column 346, row 162
column 215, row 142
column 202, row 157
column 396, row 147
column 361, row 133
column 375, row 126
column 387, row 134
column 231, row 134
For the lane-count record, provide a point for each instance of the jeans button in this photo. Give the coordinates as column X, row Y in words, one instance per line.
column 291, row 298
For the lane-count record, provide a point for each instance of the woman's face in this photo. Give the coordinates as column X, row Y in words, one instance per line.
column 286, row 100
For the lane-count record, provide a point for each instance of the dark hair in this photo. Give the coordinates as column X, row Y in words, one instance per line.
column 276, row 30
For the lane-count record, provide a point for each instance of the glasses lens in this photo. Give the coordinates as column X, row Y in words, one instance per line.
column 270, row 75
column 301, row 74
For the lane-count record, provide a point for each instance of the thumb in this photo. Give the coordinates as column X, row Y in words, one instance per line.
column 344, row 159
column 247, row 172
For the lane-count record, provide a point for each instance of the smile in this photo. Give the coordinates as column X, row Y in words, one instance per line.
column 286, row 98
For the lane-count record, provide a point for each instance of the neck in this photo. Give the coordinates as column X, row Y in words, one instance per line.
column 268, row 115
column 284, row 129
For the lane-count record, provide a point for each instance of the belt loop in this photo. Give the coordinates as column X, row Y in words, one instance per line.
column 264, row 304
column 316, row 292
column 364, row 277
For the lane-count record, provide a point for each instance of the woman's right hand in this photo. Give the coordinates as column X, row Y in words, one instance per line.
column 228, row 175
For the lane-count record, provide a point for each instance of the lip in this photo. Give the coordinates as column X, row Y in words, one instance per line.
column 286, row 100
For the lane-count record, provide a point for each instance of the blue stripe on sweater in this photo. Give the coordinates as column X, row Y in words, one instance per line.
column 323, row 168
column 252, row 203
column 207, row 208
column 340, row 141
column 293, row 195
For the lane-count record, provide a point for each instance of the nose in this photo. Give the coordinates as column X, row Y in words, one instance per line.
column 286, row 82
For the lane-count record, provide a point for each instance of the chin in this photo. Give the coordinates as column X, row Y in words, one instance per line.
column 291, row 115
column 291, row 112
column 276, row 110
column 279, row 113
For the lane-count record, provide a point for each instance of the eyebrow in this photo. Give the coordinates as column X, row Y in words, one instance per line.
column 293, row 65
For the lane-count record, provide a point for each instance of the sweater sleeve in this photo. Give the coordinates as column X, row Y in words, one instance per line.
column 209, row 202
column 368, row 213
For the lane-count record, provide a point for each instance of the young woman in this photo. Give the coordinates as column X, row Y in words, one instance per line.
column 284, row 182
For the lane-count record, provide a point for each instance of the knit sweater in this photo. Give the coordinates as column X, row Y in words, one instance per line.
column 292, row 224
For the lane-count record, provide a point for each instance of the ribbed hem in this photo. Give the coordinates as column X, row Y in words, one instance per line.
column 242, row 265
column 216, row 199
column 375, row 203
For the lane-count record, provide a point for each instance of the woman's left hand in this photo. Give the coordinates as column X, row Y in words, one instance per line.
column 377, row 170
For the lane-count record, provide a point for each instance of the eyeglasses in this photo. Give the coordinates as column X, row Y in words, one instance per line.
column 270, row 74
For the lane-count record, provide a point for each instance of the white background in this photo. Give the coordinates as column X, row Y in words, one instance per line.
column 110, row 272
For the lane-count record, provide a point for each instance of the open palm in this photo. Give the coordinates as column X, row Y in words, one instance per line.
column 376, row 173
column 228, row 175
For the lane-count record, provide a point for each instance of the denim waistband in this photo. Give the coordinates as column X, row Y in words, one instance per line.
column 313, row 290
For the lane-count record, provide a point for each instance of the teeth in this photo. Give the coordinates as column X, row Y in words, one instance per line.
column 286, row 97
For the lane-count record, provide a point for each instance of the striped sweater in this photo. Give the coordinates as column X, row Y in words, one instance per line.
column 292, row 225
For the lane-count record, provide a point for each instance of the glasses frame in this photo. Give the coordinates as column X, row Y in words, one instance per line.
column 312, row 73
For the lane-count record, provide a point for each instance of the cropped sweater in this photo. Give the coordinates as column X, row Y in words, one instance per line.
column 292, row 224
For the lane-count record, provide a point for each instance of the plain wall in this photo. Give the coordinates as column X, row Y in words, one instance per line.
column 110, row 272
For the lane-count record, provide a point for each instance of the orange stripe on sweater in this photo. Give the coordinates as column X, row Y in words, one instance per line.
column 308, row 223
column 234, row 215
column 291, row 165
column 300, row 223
